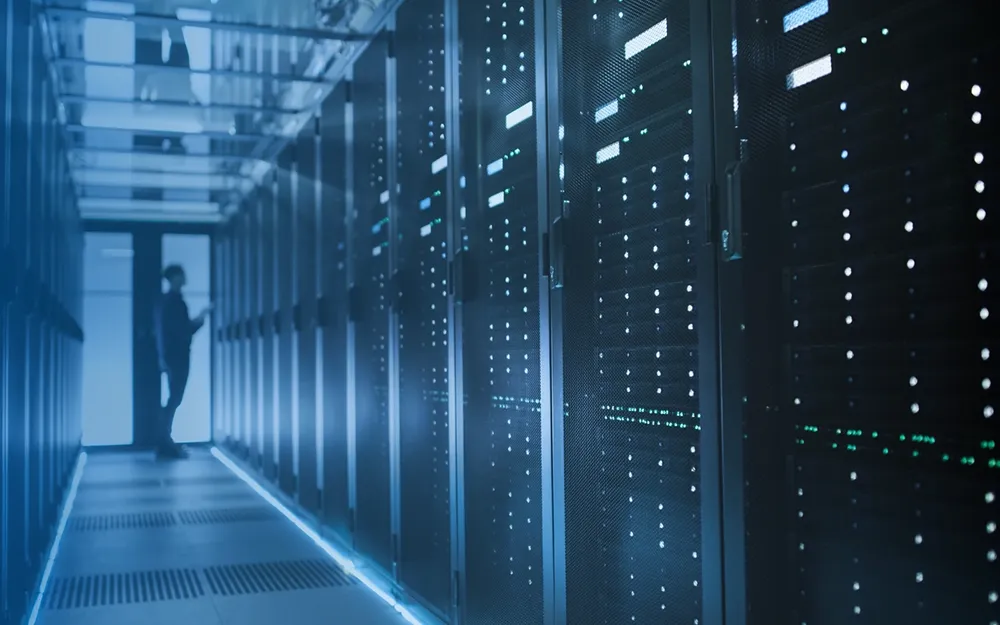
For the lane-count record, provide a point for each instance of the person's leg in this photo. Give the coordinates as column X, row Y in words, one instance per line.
column 177, row 377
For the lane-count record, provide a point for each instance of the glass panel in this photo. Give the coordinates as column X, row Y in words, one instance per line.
column 107, row 348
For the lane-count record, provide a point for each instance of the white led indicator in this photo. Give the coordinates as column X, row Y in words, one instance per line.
column 520, row 114
column 648, row 37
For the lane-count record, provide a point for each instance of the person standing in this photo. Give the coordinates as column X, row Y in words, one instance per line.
column 174, row 331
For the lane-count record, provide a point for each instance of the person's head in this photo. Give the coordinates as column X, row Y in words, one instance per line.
column 175, row 277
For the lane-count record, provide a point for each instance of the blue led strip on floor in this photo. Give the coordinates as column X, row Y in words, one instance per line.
column 342, row 560
column 54, row 551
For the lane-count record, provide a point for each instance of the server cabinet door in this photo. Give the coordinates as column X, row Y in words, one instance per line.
column 305, row 274
column 254, row 328
column 241, row 340
column 626, row 252
column 502, row 321
column 33, row 335
column 269, row 351
column 17, row 494
column 232, row 344
column 251, row 328
column 246, row 255
column 871, row 255
column 333, row 312
column 219, row 322
column 422, row 261
column 371, row 290
column 6, row 292
column 284, row 283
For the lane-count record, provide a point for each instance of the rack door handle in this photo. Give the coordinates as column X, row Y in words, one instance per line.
column 732, row 229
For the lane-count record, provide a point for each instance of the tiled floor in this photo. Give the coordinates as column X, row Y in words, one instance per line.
column 188, row 543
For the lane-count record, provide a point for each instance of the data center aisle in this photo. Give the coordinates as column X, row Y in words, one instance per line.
column 190, row 543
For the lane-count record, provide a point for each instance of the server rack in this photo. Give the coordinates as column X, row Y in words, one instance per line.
column 251, row 330
column 370, row 302
column 600, row 390
column 507, row 524
column 869, row 253
column 423, row 285
column 305, row 316
column 284, row 287
column 269, row 306
column 40, row 282
column 333, row 313
column 240, row 364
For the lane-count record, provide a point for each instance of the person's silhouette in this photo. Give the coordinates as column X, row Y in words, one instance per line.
column 174, row 330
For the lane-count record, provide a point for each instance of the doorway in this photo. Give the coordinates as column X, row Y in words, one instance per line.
column 123, row 388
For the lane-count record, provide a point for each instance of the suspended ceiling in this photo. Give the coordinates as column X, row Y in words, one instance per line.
column 173, row 108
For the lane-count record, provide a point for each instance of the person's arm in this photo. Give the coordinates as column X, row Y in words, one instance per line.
column 199, row 321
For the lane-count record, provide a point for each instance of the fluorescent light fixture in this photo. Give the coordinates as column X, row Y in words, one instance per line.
column 98, row 117
column 494, row 167
column 125, row 178
column 153, row 206
column 439, row 164
column 110, row 252
column 342, row 560
column 606, row 111
column 520, row 114
column 608, row 152
column 43, row 585
column 156, row 217
column 809, row 72
column 102, row 6
column 647, row 38
column 805, row 14
column 172, row 163
column 496, row 199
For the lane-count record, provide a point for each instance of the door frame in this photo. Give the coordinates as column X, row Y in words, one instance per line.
column 147, row 263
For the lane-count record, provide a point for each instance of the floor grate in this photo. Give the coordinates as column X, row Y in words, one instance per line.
column 147, row 482
column 252, row 579
column 93, row 591
column 225, row 515
column 124, row 521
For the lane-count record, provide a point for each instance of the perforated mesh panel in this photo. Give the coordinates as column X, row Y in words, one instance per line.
column 371, row 281
column 872, row 248
column 333, row 313
column 423, row 266
column 630, row 338
column 501, row 317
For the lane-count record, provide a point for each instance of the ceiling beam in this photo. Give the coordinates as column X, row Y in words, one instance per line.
column 236, row 108
column 218, row 136
column 159, row 153
column 177, row 69
column 153, row 19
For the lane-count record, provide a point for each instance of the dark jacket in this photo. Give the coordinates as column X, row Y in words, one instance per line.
column 174, row 329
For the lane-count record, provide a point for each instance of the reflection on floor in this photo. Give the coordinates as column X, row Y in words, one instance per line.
column 189, row 543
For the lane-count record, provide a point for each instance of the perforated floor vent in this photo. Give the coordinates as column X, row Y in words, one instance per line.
column 252, row 579
column 226, row 515
column 145, row 482
column 125, row 521
column 92, row 591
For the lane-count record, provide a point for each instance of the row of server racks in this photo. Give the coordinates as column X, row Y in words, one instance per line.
column 41, row 252
column 624, row 311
